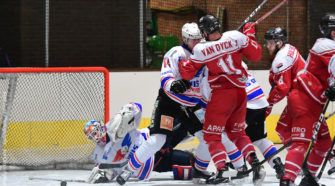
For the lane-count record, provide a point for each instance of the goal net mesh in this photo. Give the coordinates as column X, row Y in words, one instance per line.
column 43, row 114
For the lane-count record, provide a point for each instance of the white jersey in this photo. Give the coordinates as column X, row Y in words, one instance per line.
column 170, row 73
column 331, row 70
column 255, row 94
column 119, row 152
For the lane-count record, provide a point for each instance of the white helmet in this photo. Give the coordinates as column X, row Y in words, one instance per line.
column 190, row 31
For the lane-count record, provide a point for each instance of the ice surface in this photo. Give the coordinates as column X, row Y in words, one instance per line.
column 21, row 178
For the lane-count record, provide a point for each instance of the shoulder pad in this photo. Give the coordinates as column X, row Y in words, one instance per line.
column 323, row 45
column 284, row 58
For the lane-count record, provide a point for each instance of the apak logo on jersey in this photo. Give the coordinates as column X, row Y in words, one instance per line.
column 122, row 152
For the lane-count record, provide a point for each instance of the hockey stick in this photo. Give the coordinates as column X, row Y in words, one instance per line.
column 84, row 181
column 268, row 158
column 253, row 13
column 314, row 136
column 328, row 153
column 234, row 173
column 112, row 166
column 267, row 14
column 56, row 179
column 326, row 159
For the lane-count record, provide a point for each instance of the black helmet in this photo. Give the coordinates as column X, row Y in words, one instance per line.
column 276, row 34
column 327, row 24
column 209, row 24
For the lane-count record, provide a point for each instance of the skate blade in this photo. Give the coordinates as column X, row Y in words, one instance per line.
column 259, row 181
column 199, row 181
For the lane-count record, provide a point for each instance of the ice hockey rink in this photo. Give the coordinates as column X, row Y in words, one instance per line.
column 77, row 177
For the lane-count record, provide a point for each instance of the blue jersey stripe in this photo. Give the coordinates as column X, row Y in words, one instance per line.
column 145, row 169
column 270, row 152
column 134, row 162
column 144, row 135
column 235, row 155
column 164, row 80
column 255, row 94
column 201, row 164
column 184, row 98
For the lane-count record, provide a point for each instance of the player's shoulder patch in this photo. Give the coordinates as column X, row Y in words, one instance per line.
column 166, row 122
column 284, row 58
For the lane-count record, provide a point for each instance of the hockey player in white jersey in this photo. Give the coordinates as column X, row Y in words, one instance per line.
column 255, row 119
column 178, row 99
column 116, row 142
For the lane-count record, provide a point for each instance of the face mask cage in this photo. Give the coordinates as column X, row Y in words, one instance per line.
column 96, row 132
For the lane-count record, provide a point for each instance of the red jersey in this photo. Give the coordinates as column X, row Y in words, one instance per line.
column 284, row 69
column 223, row 59
column 318, row 59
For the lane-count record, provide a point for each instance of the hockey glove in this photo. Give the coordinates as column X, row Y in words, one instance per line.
column 180, row 86
column 330, row 93
column 249, row 30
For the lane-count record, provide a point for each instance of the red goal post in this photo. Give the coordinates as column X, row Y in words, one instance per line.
column 43, row 111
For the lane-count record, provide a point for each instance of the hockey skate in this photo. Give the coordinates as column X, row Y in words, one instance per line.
column 279, row 167
column 241, row 173
column 200, row 177
column 259, row 171
column 218, row 178
column 286, row 183
column 124, row 176
column 309, row 180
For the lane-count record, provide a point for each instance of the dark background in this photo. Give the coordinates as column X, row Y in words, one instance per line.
column 107, row 32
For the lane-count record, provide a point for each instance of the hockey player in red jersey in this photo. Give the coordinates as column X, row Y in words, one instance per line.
column 226, row 109
column 289, row 78
column 319, row 65
column 331, row 171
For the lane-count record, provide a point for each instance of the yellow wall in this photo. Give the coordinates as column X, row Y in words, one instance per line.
column 42, row 134
column 270, row 126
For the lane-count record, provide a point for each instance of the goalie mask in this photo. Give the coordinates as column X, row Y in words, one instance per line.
column 126, row 120
column 96, row 131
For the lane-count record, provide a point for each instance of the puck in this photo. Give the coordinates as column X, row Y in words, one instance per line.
column 63, row 183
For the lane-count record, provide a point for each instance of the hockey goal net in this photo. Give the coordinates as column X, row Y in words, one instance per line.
column 43, row 111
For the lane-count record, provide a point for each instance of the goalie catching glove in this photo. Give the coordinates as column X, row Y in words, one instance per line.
column 126, row 120
column 180, row 86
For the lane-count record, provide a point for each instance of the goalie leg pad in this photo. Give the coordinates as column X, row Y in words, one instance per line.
column 182, row 172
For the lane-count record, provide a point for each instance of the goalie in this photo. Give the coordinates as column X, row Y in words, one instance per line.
column 118, row 139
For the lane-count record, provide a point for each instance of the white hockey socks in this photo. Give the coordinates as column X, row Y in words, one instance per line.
column 233, row 152
column 148, row 148
column 267, row 148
